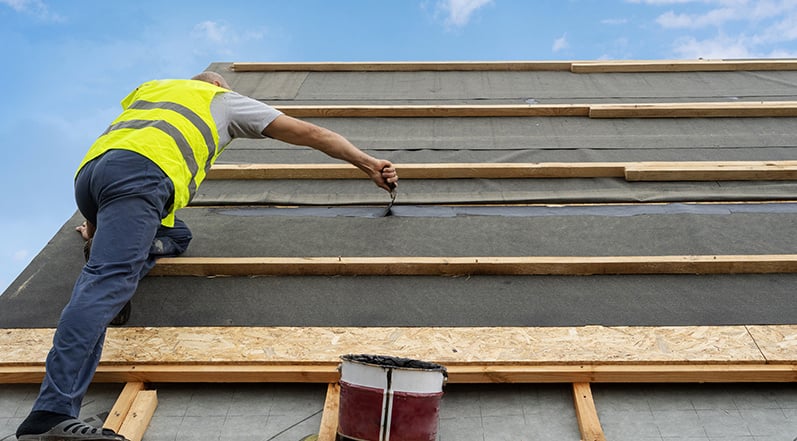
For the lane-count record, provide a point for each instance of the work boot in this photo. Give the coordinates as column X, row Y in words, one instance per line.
column 74, row 430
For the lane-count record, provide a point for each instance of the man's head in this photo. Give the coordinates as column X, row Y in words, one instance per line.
column 212, row 78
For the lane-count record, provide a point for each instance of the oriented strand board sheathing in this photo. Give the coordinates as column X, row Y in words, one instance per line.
column 575, row 345
column 778, row 344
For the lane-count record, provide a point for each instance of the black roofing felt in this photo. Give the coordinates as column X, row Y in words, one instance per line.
column 339, row 217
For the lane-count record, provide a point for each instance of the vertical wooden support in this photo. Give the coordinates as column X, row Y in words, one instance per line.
column 329, row 419
column 588, row 423
column 122, row 406
column 139, row 416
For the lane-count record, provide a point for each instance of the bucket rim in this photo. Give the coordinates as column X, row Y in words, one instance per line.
column 393, row 362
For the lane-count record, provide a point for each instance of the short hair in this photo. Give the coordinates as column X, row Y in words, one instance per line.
column 212, row 78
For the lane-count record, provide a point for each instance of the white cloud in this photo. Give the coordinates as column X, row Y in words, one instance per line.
column 36, row 8
column 221, row 38
column 211, row 31
column 741, row 28
column 560, row 43
column 715, row 48
column 614, row 21
column 715, row 17
column 459, row 12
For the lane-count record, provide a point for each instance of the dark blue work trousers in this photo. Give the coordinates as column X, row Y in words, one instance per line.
column 125, row 195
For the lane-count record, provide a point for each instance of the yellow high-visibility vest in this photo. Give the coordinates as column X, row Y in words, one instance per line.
column 169, row 122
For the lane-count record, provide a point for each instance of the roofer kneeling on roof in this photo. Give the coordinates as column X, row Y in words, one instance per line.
column 148, row 164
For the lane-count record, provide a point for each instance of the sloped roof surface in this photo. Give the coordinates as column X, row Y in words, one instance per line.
column 341, row 217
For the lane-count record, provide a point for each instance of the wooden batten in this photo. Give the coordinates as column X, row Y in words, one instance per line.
column 707, row 171
column 140, row 415
column 487, row 265
column 631, row 171
column 585, row 66
column 628, row 110
column 587, row 415
column 423, row 171
column 402, row 66
column 435, row 111
column 696, row 110
column 121, row 408
column 329, row 418
column 643, row 66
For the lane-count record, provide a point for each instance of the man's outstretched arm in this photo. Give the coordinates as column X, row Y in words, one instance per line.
column 298, row 132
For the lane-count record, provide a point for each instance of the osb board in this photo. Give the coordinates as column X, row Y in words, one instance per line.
column 591, row 345
column 778, row 344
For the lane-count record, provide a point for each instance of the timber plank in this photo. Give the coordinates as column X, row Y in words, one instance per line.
column 423, row 171
column 140, row 415
column 122, row 405
column 472, row 373
column 696, row 110
column 402, row 66
column 481, row 265
column 588, row 423
column 643, row 66
column 722, row 171
column 576, row 66
column 644, row 110
column 434, row 111
column 631, row 171
column 329, row 418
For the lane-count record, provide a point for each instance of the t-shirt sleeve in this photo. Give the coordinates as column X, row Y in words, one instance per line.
column 247, row 117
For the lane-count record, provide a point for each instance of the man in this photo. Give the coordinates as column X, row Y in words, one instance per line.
column 145, row 166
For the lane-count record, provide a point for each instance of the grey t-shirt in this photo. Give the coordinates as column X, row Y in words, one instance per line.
column 238, row 116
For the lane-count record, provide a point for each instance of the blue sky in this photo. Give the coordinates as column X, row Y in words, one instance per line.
column 67, row 64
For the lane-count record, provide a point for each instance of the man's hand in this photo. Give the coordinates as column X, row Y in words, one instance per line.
column 86, row 229
column 387, row 177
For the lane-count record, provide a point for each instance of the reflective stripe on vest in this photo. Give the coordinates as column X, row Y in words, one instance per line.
column 169, row 122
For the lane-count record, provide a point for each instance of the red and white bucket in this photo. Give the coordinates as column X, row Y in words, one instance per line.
column 385, row 398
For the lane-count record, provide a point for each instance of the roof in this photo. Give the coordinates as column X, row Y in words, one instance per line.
column 581, row 204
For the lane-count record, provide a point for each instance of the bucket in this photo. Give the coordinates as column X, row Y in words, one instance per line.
column 385, row 398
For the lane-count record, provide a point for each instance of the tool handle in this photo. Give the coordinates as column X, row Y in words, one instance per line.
column 390, row 185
